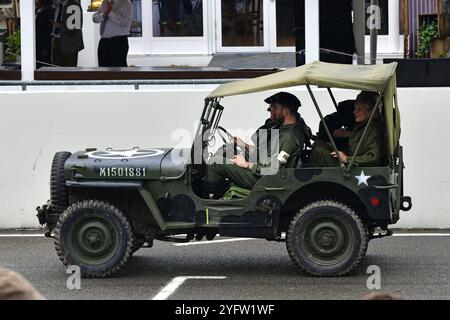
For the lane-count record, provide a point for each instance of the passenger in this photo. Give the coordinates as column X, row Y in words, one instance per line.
column 371, row 151
column 291, row 141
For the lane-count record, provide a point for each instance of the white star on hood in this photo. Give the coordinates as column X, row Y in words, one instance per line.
column 362, row 178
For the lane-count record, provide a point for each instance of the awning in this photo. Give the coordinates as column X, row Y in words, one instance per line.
column 370, row 78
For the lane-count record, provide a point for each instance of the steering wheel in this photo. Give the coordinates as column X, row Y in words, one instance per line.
column 229, row 143
column 227, row 138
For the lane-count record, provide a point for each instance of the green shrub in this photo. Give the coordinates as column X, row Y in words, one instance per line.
column 427, row 33
column 12, row 46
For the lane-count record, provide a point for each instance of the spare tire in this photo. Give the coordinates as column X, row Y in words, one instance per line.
column 59, row 196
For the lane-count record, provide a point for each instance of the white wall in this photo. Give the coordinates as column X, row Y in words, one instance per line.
column 35, row 125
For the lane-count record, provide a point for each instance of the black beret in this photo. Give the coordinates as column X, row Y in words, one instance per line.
column 286, row 99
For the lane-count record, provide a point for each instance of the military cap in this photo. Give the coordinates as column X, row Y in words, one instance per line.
column 286, row 99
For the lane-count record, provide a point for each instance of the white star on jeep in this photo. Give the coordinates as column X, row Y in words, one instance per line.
column 362, row 178
column 124, row 153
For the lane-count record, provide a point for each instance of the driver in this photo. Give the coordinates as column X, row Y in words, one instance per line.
column 262, row 136
column 245, row 174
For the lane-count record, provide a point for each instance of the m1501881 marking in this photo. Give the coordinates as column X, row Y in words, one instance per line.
column 122, row 172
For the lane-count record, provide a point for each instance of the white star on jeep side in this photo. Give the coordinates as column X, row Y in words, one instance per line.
column 362, row 178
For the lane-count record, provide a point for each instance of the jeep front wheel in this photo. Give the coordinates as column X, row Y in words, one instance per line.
column 326, row 238
column 94, row 235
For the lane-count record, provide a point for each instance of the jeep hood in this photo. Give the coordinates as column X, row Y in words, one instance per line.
column 132, row 164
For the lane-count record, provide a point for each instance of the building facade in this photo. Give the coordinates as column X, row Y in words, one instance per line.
column 190, row 32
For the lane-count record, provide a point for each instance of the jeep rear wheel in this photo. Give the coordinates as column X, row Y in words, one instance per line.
column 326, row 238
column 58, row 190
column 95, row 236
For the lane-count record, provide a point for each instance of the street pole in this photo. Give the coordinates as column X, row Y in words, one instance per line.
column 374, row 33
column 27, row 40
column 312, row 31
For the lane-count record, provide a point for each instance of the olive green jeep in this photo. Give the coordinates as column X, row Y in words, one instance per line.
column 106, row 204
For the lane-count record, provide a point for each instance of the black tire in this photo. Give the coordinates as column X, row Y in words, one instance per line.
column 94, row 235
column 326, row 238
column 59, row 195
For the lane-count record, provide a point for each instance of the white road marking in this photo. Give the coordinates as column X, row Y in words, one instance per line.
column 25, row 235
column 421, row 235
column 212, row 241
column 176, row 282
column 19, row 235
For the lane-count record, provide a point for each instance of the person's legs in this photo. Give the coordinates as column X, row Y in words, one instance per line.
column 69, row 59
column 56, row 52
column 103, row 53
column 122, row 51
column 177, row 11
column 164, row 13
column 239, row 176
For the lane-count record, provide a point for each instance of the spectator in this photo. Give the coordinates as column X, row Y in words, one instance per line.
column 67, row 33
column 14, row 287
column 115, row 18
column 44, row 27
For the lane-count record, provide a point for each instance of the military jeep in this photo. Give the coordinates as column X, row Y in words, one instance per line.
column 106, row 204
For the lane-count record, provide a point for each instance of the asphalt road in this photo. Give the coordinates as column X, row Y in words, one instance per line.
column 416, row 267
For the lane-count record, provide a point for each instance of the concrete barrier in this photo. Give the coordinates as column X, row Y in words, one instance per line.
column 37, row 123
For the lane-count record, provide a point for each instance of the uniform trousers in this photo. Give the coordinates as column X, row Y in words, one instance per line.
column 112, row 52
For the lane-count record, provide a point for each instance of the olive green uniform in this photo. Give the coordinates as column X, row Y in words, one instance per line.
column 291, row 141
column 370, row 153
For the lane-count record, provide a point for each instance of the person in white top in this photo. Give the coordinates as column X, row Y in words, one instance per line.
column 115, row 17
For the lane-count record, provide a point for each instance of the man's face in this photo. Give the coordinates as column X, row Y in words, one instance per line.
column 276, row 112
column 361, row 112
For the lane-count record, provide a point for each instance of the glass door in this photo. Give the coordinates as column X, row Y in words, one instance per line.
column 281, row 24
column 255, row 25
column 178, row 27
column 242, row 25
column 136, row 38
column 169, row 27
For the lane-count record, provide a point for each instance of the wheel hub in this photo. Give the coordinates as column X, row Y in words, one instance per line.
column 93, row 240
column 326, row 239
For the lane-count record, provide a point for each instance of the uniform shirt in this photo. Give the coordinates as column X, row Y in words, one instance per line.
column 291, row 140
column 118, row 22
column 370, row 152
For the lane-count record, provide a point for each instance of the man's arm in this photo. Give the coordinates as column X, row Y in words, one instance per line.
column 99, row 16
column 122, row 17
column 373, row 146
column 290, row 144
